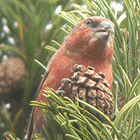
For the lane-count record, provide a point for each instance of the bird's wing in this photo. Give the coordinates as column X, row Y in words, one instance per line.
column 43, row 79
column 30, row 125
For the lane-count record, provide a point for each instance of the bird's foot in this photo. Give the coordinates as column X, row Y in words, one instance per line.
column 65, row 88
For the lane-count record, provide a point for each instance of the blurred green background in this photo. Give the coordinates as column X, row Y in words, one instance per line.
column 32, row 30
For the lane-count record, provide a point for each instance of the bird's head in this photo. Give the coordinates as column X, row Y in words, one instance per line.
column 92, row 36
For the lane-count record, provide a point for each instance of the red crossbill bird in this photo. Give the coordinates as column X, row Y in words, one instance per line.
column 90, row 43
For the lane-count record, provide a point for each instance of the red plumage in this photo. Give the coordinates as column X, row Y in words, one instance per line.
column 90, row 43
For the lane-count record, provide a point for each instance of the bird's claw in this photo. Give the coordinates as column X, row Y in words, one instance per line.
column 65, row 87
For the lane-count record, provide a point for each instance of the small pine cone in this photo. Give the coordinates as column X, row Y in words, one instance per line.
column 12, row 76
column 125, row 33
column 93, row 86
column 121, row 101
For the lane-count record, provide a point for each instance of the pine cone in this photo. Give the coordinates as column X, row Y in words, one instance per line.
column 12, row 76
column 125, row 33
column 84, row 80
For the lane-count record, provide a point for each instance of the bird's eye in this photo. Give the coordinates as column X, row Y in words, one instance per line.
column 88, row 22
column 92, row 23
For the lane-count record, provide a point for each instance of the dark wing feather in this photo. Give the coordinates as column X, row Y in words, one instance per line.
column 30, row 125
